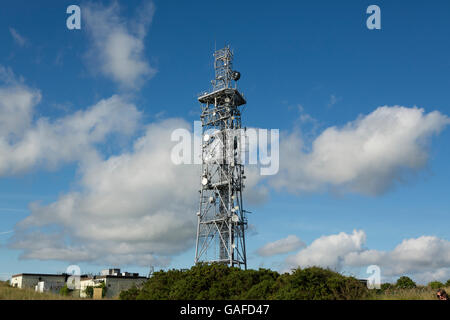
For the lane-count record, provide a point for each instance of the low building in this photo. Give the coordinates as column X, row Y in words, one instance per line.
column 114, row 280
column 39, row 281
column 114, row 284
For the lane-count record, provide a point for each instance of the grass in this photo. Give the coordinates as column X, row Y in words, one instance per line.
column 10, row 293
column 419, row 293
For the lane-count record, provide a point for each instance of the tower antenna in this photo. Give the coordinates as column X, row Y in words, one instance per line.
column 221, row 218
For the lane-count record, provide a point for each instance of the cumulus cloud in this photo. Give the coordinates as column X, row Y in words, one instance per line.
column 329, row 251
column 368, row 155
column 118, row 44
column 425, row 258
column 26, row 141
column 135, row 207
column 16, row 109
column 68, row 139
column 50, row 246
column 256, row 193
column 288, row 244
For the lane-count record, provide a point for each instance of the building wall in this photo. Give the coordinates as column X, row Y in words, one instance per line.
column 84, row 283
column 52, row 283
column 114, row 285
column 16, row 281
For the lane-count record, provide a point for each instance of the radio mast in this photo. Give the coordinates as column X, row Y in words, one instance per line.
column 221, row 217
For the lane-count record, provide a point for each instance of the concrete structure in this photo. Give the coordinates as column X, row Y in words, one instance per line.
column 114, row 284
column 39, row 281
column 114, row 280
column 98, row 294
column 116, row 272
column 110, row 272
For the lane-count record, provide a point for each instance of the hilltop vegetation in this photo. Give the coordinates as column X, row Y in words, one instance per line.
column 220, row 282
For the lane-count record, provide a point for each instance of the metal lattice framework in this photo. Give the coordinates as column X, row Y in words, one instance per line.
column 221, row 217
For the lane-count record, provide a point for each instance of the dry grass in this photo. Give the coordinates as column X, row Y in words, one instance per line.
column 10, row 293
column 419, row 293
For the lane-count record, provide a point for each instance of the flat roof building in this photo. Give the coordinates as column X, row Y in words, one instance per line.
column 114, row 284
column 49, row 282
column 114, row 280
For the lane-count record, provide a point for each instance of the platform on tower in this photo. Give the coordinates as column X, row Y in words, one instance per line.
column 218, row 97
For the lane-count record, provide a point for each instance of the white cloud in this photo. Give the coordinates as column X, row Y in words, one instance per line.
column 139, row 208
column 424, row 258
column 136, row 207
column 368, row 156
column 38, row 245
column 19, row 39
column 328, row 251
column 16, row 109
column 49, row 143
column 117, row 44
column 16, row 104
column 255, row 192
column 288, row 244
column 26, row 142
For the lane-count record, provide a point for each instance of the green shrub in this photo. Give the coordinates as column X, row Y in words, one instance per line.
column 89, row 291
column 405, row 282
column 65, row 291
column 435, row 285
column 387, row 286
column 130, row 294
column 318, row 284
column 447, row 284
column 220, row 282
column 261, row 291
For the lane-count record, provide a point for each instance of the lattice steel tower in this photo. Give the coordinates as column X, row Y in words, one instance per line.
column 221, row 217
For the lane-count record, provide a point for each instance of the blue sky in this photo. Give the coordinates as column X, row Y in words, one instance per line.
column 315, row 59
